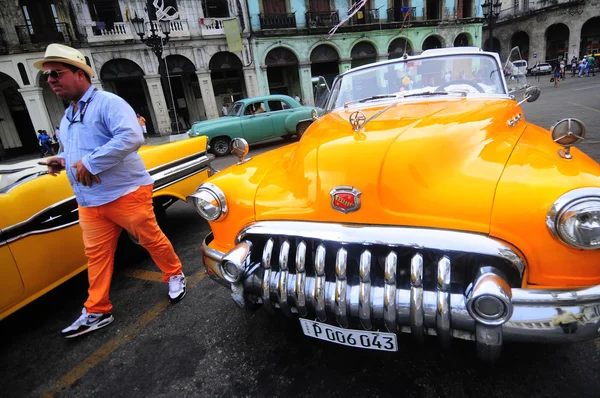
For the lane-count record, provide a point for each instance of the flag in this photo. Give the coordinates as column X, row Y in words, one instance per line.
column 232, row 33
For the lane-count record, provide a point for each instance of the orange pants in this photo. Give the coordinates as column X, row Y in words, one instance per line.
column 102, row 226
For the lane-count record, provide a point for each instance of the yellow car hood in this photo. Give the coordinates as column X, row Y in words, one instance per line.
column 433, row 163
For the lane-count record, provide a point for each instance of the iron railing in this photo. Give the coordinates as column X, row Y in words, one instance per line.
column 323, row 19
column 278, row 21
column 396, row 14
column 44, row 33
column 366, row 16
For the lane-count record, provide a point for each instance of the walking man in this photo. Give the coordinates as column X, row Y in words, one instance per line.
column 100, row 136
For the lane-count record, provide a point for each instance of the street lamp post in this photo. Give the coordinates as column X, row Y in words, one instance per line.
column 154, row 40
column 491, row 11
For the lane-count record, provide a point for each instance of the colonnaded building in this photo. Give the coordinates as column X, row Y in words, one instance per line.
column 222, row 50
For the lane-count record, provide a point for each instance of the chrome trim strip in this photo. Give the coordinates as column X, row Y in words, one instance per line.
column 195, row 161
column 389, row 293
column 416, row 238
column 416, row 297
column 266, row 264
column 340, row 287
column 178, row 162
column 364, row 297
column 320, row 283
column 283, row 277
column 443, row 301
column 300, row 279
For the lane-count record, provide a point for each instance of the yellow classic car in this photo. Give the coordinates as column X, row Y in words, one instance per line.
column 40, row 239
column 419, row 202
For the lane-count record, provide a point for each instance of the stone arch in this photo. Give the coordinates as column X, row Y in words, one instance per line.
column 182, row 91
column 324, row 59
column 557, row 42
column 463, row 40
column 521, row 39
column 362, row 53
column 282, row 71
column 227, row 77
column 125, row 78
column 590, row 37
column 433, row 41
column 397, row 47
column 17, row 134
column 495, row 47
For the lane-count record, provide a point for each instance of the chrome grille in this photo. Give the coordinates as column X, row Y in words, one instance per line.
column 362, row 281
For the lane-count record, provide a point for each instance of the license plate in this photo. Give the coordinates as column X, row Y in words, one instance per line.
column 380, row 341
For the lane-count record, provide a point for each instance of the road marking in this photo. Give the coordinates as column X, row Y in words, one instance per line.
column 586, row 107
column 587, row 87
column 113, row 344
column 144, row 275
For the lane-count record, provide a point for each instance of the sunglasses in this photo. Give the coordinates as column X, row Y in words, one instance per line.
column 52, row 73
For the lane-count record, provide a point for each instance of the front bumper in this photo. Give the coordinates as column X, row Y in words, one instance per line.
column 538, row 315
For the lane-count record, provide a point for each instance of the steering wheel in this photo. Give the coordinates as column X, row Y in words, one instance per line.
column 467, row 82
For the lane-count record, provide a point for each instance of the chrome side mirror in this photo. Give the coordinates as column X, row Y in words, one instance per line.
column 239, row 148
column 566, row 133
column 531, row 94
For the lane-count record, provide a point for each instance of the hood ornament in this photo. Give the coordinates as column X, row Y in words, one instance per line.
column 345, row 199
column 357, row 119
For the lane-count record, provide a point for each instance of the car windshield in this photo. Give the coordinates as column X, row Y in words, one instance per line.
column 465, row 74
column 236, row 108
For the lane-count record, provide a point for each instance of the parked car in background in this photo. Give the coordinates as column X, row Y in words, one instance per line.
column 40, row 240
column 416, row 204
column 255, row 119
column 541, row 69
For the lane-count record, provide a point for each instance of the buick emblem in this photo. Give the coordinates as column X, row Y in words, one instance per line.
column 345, row 199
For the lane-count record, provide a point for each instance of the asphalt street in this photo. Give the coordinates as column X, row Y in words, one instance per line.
column 206, row 346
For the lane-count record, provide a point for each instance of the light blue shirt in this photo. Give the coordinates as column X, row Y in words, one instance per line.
column 104, row 133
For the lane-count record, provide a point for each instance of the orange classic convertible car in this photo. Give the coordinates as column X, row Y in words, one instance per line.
column 420, row 201
column 40, row 238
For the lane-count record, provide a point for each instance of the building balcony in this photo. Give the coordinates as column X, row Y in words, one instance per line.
column 179, row 29
column 400, row 14
column 212, row 26
column 100, row 33
column 35, row 35
column 366, row 16
column 278, row 21
column 325, row 19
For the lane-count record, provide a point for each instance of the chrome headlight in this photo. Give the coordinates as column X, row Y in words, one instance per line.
column 210, row 202
column 575, row 218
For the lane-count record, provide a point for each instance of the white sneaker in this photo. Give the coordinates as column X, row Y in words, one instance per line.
column 176, row 287
column 87, row 323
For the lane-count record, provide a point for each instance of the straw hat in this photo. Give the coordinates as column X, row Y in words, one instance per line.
column 65, row 55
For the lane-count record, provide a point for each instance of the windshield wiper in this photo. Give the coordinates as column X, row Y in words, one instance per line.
column 426, row 93
column 374, row 97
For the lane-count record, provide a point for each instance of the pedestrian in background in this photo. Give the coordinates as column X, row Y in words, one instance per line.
column 224, row 109
column 45, row 144
column 101, row 137
column 573, row 66
column 556, row 75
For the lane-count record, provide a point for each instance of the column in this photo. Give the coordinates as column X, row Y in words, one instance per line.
column 251, row 82
column 537, row 45
column 159, row 104
column 263, row 81
column 345, row 65
column 306, row 87
column 574, row 41
column 98, row 84
column 208, row 95
column 36, row 107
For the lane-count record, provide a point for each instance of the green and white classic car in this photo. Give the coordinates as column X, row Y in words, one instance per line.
column 255, row 119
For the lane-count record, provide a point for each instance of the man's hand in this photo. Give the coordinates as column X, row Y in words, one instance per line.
column 83, row 176
column 55, row 165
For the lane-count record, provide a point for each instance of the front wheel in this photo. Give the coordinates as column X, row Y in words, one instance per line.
column 220, row 146
column 301, row 129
